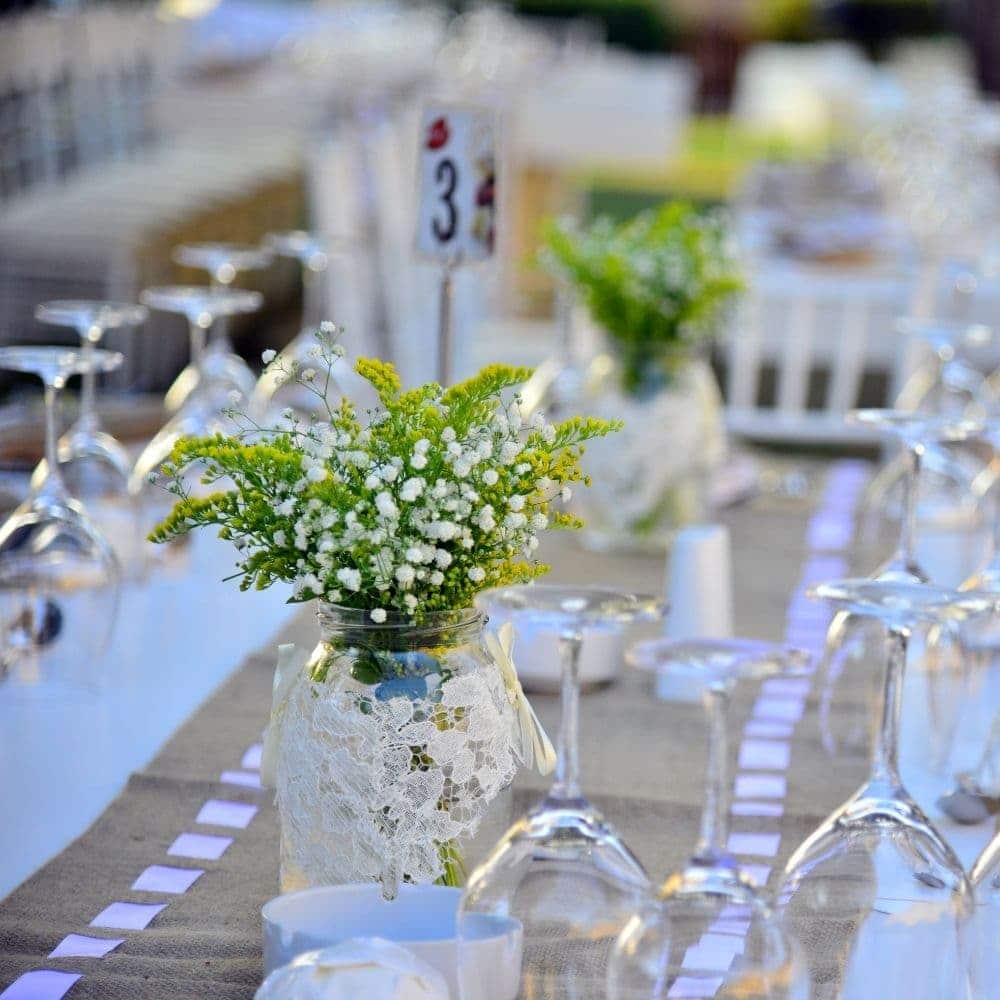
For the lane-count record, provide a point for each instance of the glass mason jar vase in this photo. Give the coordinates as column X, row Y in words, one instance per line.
column 652, row 478
column 395, row 743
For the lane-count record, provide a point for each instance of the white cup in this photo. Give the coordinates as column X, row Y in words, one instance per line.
column 700, row 591
column 422, row 918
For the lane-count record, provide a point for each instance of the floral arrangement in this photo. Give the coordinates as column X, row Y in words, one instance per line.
column 657, row 283
column 388, row 744
column 436, row 495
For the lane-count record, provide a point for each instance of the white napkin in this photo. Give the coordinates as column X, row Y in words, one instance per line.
column 372, row 968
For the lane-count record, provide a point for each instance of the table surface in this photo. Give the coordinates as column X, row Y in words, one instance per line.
column 645, row 771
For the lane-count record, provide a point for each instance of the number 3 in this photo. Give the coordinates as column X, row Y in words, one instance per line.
column 446, row 173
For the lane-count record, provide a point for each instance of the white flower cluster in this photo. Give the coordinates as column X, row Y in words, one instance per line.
column 440, row 509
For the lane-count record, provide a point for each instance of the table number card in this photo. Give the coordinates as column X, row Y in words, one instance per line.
column 456, row 221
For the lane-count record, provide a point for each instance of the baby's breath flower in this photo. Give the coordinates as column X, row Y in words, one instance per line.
column 385, row 505
column 411, row 490
column 378, row 615
column 268, row 356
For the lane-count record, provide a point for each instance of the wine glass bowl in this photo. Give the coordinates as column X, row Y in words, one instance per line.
column 218, row 373
column 274, row 392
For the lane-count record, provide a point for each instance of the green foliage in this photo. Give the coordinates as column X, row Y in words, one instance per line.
column 657, row 283
column 438, row 495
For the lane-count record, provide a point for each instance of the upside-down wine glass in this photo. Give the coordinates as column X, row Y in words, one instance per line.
column 94, row 466
column 852, row 642
column 561, row 870
column 59, row 577
column 201, row 414
column 875, row 895
column 274, row 393
column 711, row 931
column 223, row 261
column 916, row 433
column 954, row 388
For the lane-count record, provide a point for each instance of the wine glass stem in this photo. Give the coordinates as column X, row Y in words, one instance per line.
column 715, row 813
column 89, row 336
column 222, row 279
column 911, row 484
column 196, row 335
column 52, row 484
column 567, row 783
column 885, row 766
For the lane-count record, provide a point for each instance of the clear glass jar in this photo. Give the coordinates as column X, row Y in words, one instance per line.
column 651, row 478
column 396, row 743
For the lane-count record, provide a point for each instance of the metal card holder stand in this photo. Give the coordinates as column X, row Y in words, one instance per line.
column 446, row 321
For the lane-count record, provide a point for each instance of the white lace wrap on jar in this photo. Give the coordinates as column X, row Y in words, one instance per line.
column 362, row 789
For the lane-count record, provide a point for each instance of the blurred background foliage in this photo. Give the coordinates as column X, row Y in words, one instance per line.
column 669, row 25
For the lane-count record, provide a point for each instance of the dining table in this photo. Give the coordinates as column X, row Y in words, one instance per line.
column 145, row 846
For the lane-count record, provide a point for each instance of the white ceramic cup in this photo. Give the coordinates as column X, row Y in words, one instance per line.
column 421, row 918
column 538, row 657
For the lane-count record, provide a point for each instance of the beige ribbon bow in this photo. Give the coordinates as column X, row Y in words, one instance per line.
column 535, row 746
column 291, row 660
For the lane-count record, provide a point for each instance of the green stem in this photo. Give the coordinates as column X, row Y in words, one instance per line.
column 455, row 872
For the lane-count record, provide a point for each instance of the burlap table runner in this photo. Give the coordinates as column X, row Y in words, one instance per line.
column 642, row 762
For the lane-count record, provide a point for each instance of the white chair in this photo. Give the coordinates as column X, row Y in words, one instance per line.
column 801, row 322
